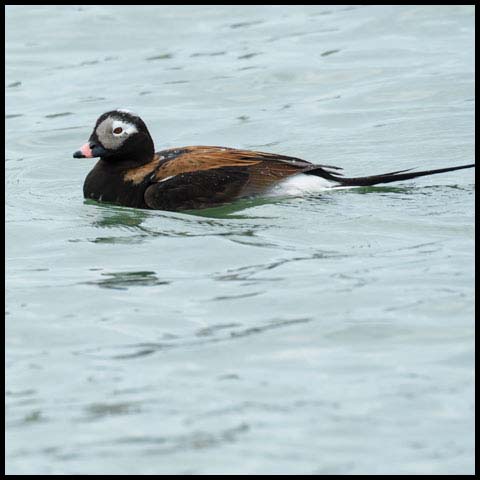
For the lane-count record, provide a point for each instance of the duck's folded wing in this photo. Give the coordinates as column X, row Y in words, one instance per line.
column 199, row 177
column 202, row 176
column 189, row 159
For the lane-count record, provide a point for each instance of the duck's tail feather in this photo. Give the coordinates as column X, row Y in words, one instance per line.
column 383, row 178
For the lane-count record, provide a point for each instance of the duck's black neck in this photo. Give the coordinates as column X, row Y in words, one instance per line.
column 136, row 157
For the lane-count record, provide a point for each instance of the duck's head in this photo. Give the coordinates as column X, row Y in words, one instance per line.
column 119, row 135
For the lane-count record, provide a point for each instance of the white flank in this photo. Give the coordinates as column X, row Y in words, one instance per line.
column 302, row 183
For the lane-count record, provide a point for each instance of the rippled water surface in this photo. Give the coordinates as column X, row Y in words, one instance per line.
column 326, row 334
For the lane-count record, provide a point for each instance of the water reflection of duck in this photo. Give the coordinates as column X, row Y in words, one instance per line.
column 130, row 173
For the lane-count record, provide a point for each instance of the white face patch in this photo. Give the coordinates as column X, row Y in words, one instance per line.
column 112, row 132
column 121, row 128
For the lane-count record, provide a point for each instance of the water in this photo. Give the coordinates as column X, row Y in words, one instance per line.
column 326, row 334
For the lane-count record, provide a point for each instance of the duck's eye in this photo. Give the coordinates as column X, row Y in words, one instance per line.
column 118, row 130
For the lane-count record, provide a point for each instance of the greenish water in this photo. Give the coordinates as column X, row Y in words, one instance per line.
column 327, row 334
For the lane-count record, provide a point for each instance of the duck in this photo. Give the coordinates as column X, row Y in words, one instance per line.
column 130, row 173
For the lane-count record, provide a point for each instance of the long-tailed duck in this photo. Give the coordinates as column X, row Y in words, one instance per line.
column 130, row 173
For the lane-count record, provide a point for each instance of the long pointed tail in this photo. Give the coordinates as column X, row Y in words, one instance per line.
column 383, row 178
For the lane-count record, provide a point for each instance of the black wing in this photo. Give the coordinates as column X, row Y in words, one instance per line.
column 199, row 189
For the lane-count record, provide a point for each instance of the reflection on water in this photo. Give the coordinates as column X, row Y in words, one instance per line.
column 112, row 216
column 124, row 280
column 229, row 211
column 212, row 222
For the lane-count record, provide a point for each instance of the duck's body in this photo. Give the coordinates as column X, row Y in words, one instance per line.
column 191, row 177
column 129, row 173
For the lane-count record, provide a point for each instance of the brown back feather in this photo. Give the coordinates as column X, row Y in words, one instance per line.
column 263, row 168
